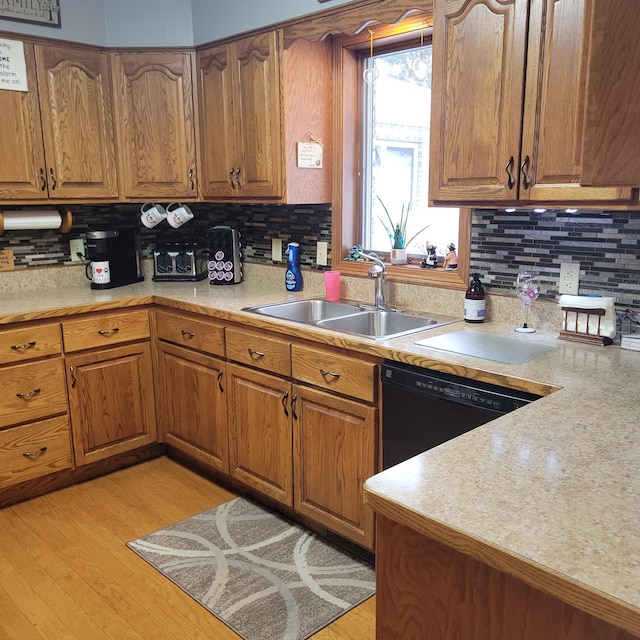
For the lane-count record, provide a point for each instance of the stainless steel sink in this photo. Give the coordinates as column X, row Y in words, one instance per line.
column 382, row 325
column 350, row 318
column 309, row 311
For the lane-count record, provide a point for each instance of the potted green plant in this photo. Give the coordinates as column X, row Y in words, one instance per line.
column 397, row 232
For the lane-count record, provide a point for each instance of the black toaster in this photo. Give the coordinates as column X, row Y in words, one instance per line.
column 175, row 261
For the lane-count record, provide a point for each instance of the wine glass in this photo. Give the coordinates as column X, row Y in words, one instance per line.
column 528, row 289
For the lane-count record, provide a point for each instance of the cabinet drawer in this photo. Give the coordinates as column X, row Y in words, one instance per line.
column 337, row 373
column 34, row 450
column 31, row 391
column 100, row 330
column 258, row 350
column 26, row 343
column 195, row 333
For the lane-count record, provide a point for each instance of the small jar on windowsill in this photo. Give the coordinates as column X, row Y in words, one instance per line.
column 398, row 256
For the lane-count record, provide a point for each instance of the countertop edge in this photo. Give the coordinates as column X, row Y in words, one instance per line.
column 565, row 588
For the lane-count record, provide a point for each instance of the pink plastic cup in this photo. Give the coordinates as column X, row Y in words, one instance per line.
column 332, row 285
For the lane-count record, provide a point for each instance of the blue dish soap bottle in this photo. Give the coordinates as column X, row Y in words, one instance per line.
column 293, row 276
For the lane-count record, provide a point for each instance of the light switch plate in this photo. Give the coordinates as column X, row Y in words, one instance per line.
column 276, row 249
column 569, row 278
column 321, row 254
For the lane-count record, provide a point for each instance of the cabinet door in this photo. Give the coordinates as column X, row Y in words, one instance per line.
column 192, row 409
column 334, row 445
column 478, row 74
column 22, row 168
column 612, row 118
column 554, row 105
column 156, row 124
column 260, row 438
column 77, row 122
column 257, row 110
column 111, row 399
column 218, row 152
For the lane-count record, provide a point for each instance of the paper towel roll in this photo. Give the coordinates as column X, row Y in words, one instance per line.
column 36, row 219
column 20, row 219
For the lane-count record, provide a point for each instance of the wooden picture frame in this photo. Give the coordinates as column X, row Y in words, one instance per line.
column 48, row 15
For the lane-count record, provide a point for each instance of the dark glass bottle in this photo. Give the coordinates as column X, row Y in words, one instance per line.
column 474, row 301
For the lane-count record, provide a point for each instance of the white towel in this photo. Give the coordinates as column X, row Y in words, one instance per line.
column 607, row 322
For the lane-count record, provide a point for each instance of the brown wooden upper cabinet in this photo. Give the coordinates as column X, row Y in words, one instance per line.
column 156, row 127
column 256, row 101
column 57, row 139
column 509, row 101
column 612, row 119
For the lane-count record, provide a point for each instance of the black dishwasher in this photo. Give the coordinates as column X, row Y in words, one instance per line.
column 422, row 408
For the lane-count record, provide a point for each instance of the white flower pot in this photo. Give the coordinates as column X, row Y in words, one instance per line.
column 398, row 256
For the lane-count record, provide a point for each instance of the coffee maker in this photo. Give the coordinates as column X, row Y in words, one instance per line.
column 114, row 257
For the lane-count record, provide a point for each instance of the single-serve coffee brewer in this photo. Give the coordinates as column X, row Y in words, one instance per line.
column 114, row 257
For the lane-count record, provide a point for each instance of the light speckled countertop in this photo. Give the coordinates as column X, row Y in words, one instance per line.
column 549, row 493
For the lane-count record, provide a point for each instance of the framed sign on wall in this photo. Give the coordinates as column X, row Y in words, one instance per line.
column 43, row 12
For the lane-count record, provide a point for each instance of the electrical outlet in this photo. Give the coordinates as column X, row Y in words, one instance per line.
column 276, row 249
column 569, row 278
column 321, row 254
column 76, row 247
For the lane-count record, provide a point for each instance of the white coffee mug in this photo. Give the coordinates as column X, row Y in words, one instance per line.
column 179, row 215
column 100, row 272
column 152, row 214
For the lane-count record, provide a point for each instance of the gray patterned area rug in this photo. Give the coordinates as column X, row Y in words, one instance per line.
column 263, row 576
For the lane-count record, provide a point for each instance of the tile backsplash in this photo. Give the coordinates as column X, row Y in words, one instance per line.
column 605, row 243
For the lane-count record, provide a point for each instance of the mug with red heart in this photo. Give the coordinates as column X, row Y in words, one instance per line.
column 100, row 272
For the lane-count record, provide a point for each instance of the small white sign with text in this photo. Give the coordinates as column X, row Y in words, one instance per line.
column 13, row 70
column 309, row 155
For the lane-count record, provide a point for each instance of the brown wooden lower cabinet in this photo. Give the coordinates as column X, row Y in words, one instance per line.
column 425, row 589
column 260, row 432
column 334, row 453
column 111, row 399
column 192, row 409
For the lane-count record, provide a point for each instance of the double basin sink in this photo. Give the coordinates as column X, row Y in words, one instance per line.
column 352, row 318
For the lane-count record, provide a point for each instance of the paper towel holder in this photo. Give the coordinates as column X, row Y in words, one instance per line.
column 66, row 218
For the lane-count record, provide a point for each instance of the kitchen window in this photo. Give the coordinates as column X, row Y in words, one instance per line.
column 383, row 133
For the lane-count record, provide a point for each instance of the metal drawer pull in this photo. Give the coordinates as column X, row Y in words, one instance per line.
column 193, row 186
column 43, row 186
column 257, row 354
column 29, row 394
column 284, row 403
column 330, row 374
column 74, row 380
column 233, row 184
column 510, row 181
column 220, row 373
column 293, row 406
column 22, row 347
column 34, row 454
column 54, row 182
column 188, row 334
column 110, row 332
column 526, row 180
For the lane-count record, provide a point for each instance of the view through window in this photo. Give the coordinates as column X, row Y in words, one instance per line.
column 397, row 110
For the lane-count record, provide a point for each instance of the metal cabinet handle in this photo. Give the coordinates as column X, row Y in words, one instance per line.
column 34, row 454
column 257, row 354
column 294, row 400
column 329, row 374
column 510, row 181
column 74, row 380
column 110, row 332
column 188, row 334
column 54, row 182
column 193, row 186
column 220, row 373
column 233, row 184
column 29, row 394
column 284, row 403
column 43, row 186
column 22, row 347
column 526, row 180
column 238, row 183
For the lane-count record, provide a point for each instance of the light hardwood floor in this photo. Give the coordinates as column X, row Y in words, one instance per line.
column 66, row 574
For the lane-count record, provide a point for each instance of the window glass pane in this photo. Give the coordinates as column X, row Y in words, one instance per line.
column 396, row 155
